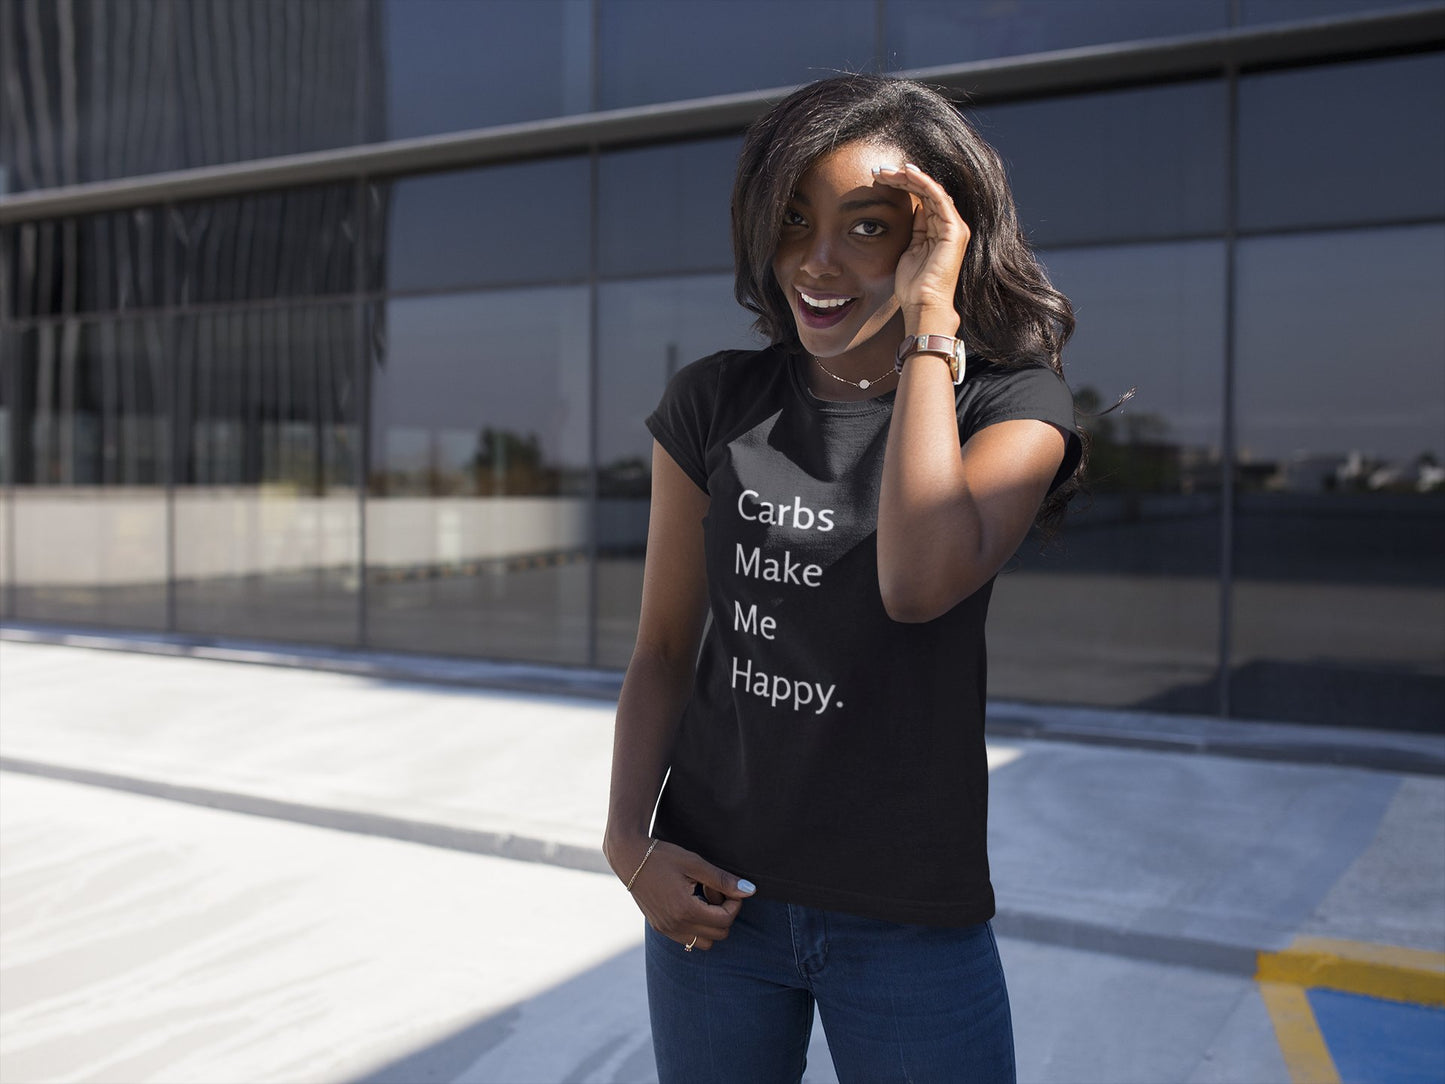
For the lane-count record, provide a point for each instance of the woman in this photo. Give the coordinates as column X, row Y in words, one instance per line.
column 839, row 504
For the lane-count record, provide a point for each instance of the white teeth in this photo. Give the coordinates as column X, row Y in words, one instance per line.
column 836, row 303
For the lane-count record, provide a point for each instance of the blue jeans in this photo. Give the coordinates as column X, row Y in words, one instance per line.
column 898, row 1002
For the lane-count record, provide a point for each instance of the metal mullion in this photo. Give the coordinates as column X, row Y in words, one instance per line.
column 1227, row 464
column 361, row 358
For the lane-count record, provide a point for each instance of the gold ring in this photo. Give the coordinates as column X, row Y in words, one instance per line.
column 688, row 947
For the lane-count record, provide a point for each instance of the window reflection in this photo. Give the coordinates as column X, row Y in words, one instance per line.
column 922, row 33
column 1340, row 520
column 267, row 531
column 91, row 92
column 661, row 50
column 666, row 208
column 1280, row 11
column 258, row 80
column 8, row 349
column 90, row 520
column 646, row 331
column 1141, row 163
column 1137, row 563
column 96, row 263
column 290, row 244
column 448, row 66
column 477, row 526
column 502, row 224
column 1342, row 144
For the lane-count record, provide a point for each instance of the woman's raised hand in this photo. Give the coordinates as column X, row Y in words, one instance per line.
column 928, row 270
column 666, row 891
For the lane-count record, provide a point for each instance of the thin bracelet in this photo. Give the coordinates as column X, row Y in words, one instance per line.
column 635, row 872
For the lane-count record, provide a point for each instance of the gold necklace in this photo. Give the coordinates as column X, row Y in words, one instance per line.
column 862, row 385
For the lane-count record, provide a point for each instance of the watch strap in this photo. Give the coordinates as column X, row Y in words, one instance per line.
column 946, row 346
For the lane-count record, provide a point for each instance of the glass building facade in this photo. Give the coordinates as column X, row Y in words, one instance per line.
column 394, row 399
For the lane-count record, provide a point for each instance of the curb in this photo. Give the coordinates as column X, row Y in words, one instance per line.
column 1294, row 743
column 383, row 825
column 1170, row 949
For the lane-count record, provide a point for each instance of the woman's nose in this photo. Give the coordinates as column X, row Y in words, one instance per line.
column 819, row 257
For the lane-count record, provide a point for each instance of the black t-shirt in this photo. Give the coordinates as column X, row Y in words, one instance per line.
column 829, row 754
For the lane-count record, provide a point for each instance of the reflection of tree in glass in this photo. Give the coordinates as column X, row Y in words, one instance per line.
column 507, row 463
column 629, row 476
column 1129, row 453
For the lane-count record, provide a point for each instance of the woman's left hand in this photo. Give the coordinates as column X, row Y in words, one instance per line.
column 928, row 270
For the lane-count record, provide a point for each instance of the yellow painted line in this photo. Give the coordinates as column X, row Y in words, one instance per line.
column 1298, row 1034
column 1384, row 971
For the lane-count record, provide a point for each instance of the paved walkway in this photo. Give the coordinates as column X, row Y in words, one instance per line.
column 177, row 902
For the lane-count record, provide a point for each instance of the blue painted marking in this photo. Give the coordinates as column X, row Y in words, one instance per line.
column 1381, row 1042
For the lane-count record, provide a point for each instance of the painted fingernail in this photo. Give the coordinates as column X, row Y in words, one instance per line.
column 911, row 166
column 747, row 886
column 877, row 170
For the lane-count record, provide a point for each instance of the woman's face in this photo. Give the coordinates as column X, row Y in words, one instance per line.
column 840, row 242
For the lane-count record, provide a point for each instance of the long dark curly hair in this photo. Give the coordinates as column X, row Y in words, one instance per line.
column 1009, row 312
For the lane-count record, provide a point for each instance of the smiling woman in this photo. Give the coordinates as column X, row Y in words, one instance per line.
column 839, row 503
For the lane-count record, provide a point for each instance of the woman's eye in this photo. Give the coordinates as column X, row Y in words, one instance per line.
column 869, row 229
column 792, row 218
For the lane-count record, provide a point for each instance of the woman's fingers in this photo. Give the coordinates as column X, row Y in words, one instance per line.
column 675, row 895
column 938, row 206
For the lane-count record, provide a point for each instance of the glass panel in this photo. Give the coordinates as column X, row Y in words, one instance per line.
column 267, row 528
column 95, row 94
column 1122, row 609
column 666, row 208
column 1282, row 11
column 646, row 330
column 1141, row 163
column 97, row 263
column 291, row 244
column 1340, row 524
column 662, row 50
column 9, row 271
column 450, row 66
column 9, row 346
column 503, row 224
column 922, row 33
column 89, row 532
column 1342, row 144
column 477, row 522
column 255, row 80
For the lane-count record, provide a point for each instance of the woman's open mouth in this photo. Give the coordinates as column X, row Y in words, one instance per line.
column 821, row 312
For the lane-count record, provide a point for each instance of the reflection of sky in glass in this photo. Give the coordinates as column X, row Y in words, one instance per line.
column 1140, row 163
column 1342, row 343
column 647, row 330
column 512, row 223
column 1317, row 148
column 927, row 32
column 1279, row 11
column 660, row 50
column 452, row 66
column 507, row 359
column 666, row 208
column 1151, row 317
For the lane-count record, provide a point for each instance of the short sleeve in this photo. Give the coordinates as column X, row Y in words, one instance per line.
column 683, row 419
column 1033, row 392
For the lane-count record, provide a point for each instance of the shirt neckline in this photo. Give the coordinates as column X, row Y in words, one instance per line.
column 876, row 405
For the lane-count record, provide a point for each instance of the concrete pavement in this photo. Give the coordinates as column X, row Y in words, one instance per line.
column 145, row 937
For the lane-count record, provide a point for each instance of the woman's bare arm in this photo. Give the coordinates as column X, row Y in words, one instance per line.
column 948, row 519
column 654, row 693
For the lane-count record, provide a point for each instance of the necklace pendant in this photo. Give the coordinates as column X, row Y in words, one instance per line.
column 864, row 384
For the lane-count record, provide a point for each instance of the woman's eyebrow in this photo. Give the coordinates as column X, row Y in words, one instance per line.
column 866, row 202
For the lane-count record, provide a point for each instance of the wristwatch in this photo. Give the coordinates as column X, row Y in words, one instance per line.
column 944, row 345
